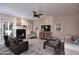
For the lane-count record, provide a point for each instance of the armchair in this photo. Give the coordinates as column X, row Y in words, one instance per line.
column 15, row 46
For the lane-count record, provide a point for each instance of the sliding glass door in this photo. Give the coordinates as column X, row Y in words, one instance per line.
column 7, row 28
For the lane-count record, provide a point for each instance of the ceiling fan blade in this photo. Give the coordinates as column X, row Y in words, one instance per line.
column 40, row 14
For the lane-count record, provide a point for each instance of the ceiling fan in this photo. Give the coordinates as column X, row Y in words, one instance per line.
column 35, row 14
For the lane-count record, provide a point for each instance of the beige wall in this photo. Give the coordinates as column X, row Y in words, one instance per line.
column 69, row 27
column 46, row 21
column 78, row 24
column 28, row 26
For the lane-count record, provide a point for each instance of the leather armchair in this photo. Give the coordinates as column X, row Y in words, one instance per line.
column 19, row 47
column 15, row 46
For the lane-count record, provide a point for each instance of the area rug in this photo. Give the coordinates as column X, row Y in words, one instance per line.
column 35, row 48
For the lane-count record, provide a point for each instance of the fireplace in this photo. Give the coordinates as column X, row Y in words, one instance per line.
column 21, row 33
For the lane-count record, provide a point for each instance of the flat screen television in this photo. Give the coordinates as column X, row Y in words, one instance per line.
column 45, row 28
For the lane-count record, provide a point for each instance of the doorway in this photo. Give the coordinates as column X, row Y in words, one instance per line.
column 6, row 28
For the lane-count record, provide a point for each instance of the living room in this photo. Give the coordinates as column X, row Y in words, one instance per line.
column 56, row 21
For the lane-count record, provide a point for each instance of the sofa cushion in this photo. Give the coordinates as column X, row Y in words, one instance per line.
column 12, row 42
column 15, row 40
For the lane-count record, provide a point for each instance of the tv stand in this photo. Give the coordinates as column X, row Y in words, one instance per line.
column 44, row 34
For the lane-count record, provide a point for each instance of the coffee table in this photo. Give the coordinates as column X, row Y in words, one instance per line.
column 56, row 44
column 53, row 43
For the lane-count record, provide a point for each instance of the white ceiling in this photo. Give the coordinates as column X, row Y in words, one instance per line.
column 48, row 9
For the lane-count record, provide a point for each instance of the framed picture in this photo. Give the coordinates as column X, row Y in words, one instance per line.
column 58, row 26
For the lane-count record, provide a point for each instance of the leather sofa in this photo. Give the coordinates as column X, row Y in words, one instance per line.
column 15, row 46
